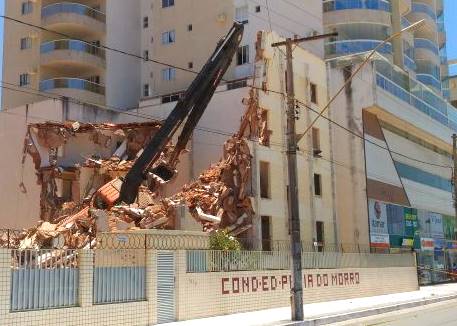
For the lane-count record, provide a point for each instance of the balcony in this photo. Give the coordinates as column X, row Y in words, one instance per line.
column 345, row 47
column 74, row 18
column 334, row 5
column 409, row 63
column 426, row 44
column 416, row 94
column 72, row 55
column 424, row 11
column 342, row 12
column 75, row 88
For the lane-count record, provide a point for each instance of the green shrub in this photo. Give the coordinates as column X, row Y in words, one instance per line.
column 222, row 240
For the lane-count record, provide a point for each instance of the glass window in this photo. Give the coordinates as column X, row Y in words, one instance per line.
column 27, row 7
column 24, row 79
column 317, row 185
column 168, row 3
column 145, row 22
column 241, row 14
column 26, row 43
column 168, row 73
column 242, row 55
column 168, row 37
column 146, row 90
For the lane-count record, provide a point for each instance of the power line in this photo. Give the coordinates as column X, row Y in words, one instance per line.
column 121, row 111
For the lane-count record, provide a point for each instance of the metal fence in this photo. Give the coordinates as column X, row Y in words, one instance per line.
column 202, row 261
column 44, row 279
column 119, row 275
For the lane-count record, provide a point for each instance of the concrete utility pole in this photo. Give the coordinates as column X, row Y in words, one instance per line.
column 454, row 173
column 294, row 218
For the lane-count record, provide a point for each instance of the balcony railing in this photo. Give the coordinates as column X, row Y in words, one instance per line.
column 72, row 45
column 72, row 83
column 72, row 8
column 428, row 68
column 332, row 5
column 355, row 46
column 426, row 44
column 409, row 63
column 426, row 9
column 429, row 80
column 416, row 94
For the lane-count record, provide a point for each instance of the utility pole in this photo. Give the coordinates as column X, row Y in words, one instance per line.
column 294, row 214
column 454, row 173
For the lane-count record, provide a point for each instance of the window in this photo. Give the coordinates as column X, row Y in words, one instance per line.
column 24, row 79
column 266, row 233
column 317, row 185
column 190, row 65
column 168, row 73
column 242, row 55
column 190, row 27
column 264, row 180
column 27, row 7
column 26, row 43
column 313, row 89
column 168, row 3
column 320, row 236
column 168, row 37
column 145, row 22
column 316, row 141
column 241, row 15
column 146, row 55
column 146, row 90
column 257, row 8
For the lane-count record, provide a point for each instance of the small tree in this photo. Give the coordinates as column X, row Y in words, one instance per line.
column 222, row 240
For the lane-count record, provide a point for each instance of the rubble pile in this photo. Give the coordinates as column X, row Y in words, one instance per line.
column 220, row 196
column 218, row 199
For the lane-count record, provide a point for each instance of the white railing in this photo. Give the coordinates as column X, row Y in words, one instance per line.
column 202, row 261
column 44, row 279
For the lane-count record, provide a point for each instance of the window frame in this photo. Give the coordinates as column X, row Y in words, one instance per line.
column 24, row 79
column 145, row 22
column 168, row 74
column 317, row 184
column 169, row 37
column 313, row 93
column 26, row 8
column 25, row 43
column 242, row 55
column 168, row 3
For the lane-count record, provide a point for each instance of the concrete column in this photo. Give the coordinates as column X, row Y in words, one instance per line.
column 5, row 281
column 86, row 277
column 397, row 43
column 151, row 285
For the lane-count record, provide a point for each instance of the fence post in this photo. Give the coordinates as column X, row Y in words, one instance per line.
column 86, row 277
column 151, row 284
column 5, row 279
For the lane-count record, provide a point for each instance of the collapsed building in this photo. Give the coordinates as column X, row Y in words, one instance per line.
column 80, row 168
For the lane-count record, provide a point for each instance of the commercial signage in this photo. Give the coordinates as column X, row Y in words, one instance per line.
column 436, row 225
column 449, row 226
column 395, row 219
column 411, row 225
column 377, row 212
column 269, row 283
column 407, row 242
column 427, row 244
column 379, row 240
column 451, row 244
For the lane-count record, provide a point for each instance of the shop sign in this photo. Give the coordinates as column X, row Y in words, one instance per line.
column 427, row 244
column 440, row 244
column 436, row 225
column 377, row 212
column 411, row 224
column 380, row 241
column 449, row 226
column 407, row 242
column 451, row 245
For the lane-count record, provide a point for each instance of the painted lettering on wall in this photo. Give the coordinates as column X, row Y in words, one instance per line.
column 253, row 284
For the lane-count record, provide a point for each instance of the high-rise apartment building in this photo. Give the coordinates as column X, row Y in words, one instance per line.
column 53, row 47
column 364, row 24
column 184, row 32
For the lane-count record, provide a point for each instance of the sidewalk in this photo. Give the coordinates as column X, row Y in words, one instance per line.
column 335, row 311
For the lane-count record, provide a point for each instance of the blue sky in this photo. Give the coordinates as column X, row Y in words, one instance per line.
column 450, row 16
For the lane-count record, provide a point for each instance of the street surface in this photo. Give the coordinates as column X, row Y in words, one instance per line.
column 438, row 314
